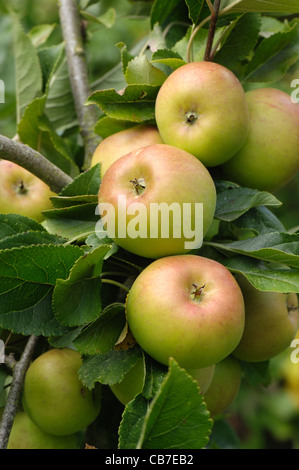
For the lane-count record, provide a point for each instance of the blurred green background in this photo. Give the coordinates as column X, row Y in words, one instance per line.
column 263, row 416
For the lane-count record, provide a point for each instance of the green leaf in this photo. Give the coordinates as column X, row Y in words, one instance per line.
column 240, row 41
column 102, row 335
column 38, row 319
column 74, row 223
column 223, row 436
column 274, row 56
column 50, row 58
column 262, row 276
column 198, row 44
column 35, row 130
column 40, row 33
column 176, row 418
column 59, row 107
column 135, row 103
column 256, row 373
column 41, row 264
column 132, row 422
column 28, row 275
column 256, row 221
column 107, row 19
column 274, row 247
column 161, row 9
column 126, row 56
column 107, row 126
column 109, row 368
column 140, row 71
column 264, row 6
column 27, row 69
column 31, row 237
column 12, row 224
column 77, row 299
column 195, row 8
column 234, row 202
column 87, row 183
column 154, row 376
column 167, row 57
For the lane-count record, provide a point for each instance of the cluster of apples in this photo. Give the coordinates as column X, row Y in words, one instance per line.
column 183, row 305
column 56, row 406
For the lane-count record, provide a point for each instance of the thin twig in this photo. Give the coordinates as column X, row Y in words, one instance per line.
column 212, row 29
column 15, row 392
column 78, row 74
column 34, row 162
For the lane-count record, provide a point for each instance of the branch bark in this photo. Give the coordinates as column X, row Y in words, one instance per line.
column 212, row 29
column 15, row 392
column 34, row 162
column 78, row 74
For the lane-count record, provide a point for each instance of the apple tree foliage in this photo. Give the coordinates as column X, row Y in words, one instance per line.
column 59, row 280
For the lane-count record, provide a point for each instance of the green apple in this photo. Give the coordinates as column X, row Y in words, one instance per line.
column 150, row 201
column 187, row 307
column 269, row 158
column 201, row 108
column 271, row 322
column 203, row 376
column 132, row 383
column 224, row 387
column 26, row 435
column 53, row 396
column 23, row 193
column 116, row 145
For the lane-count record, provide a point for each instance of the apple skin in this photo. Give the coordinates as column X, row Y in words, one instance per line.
column 116, row 145
column 23, row 193
column 167, row 319
column 26, row 435
column 224, row 387
column 201, row 108
column 53, row 396
column 132, row 383
column 271, row 322
column 269, row 158
column 169, row 175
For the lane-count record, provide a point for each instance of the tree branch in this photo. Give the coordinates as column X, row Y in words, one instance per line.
column 212, row 29
column 78, row 74
column 15, row 392
column 34, row 162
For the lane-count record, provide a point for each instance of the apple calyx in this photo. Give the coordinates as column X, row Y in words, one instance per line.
column 197, row 291
column 138, row 185
column 291, row 307
column 22, row 188
column 191, row 117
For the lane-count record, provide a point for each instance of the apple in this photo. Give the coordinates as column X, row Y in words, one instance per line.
column 271, row 322
column 224, row 387
column 187, row 307
column 53, row 396
column 150, row 201
column 203, row 376
column 201, row 108
column 23, row 193
column 26, row 435
column 116, row 145
column 269, row 158
column 132, row 383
